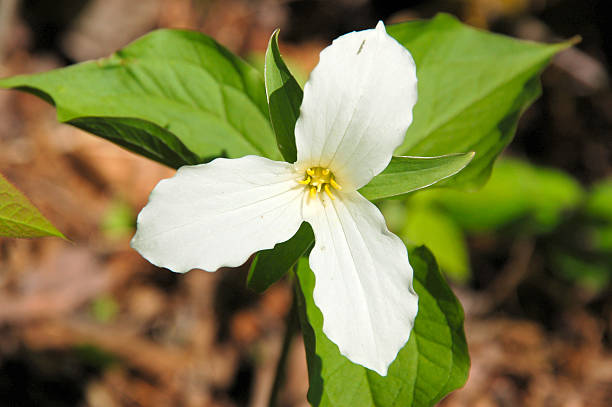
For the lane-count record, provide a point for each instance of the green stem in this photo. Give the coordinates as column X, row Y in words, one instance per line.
column 292, row 324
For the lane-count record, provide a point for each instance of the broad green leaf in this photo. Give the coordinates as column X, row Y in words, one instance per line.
column 427, row 226
column 270, row 265
column 181, row 81
column 434, row 362
column 284, row 99
column 473, row 87
column 407, row 174
column 19, row 218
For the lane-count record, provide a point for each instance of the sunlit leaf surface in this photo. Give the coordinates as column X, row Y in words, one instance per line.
column 197, row 94
column 18, row 217
column 473, row 87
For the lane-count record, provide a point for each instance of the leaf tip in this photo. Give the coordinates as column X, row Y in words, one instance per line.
column 576, row 39
column 59, row 234
column 561, row 46
column 274, row 39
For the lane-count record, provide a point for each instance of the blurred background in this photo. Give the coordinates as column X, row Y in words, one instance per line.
column 90, row 323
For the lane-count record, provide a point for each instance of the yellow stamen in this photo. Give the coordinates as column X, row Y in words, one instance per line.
column 305, row 181
column 328, row 192
column 318, row 179
column 335, row 184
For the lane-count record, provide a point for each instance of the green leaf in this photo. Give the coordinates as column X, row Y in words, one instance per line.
column 270, row 265
column 473, row 87
column 408, row 174
column 19, row 218
column 181, row 81
column 434, row 362
column 284, row 99
column 142, row 137
column 441, row 234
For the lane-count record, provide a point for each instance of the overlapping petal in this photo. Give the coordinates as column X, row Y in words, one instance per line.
column 363, row 280
column 357, row 106
column 217, row 214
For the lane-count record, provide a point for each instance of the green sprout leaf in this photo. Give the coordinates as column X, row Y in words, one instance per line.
column 434, row 362
column 201, row 100
column 269, row 266
column 408, row 174
column 19, row 218
column 284, row 99
column 473, row 87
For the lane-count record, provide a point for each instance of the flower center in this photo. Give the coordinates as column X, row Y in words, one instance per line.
column 318, row 179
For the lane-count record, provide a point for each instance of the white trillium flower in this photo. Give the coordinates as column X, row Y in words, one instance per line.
column 356, row 109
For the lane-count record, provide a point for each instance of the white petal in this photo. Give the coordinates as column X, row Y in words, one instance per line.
column 217, row 214
column 363, row 280
column 357, row 106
